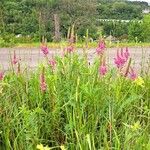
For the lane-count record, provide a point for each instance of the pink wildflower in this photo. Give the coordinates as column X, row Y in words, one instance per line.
column 70, row 48
column 103, row 69
column 101, row 47
column 126, row 54
column 133, row 74
column 121, row 58
column 43, row 85
column 15, row 60
column 44, row 49
column 52, row 63
column 1, row 75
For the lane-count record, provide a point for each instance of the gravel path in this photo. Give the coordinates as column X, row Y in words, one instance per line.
column 33, row 56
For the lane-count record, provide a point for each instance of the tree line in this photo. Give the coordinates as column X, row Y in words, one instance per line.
column 33, row 19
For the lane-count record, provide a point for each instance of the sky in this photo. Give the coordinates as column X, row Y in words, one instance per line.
column 142, row 0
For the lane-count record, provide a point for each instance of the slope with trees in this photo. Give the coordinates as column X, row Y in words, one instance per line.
column 33, row 19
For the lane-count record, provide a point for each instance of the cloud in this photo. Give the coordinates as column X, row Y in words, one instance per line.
column 142, row 0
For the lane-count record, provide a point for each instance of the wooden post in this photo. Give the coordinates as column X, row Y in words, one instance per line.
column 57, row 28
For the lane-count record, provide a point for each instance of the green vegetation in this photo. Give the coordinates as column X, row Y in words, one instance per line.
column 123, row 10
column 27, row 21
column 70, row 104
column 81, row 45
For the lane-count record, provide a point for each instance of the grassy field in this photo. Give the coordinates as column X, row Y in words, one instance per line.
column 69, row 104
column 81, row 44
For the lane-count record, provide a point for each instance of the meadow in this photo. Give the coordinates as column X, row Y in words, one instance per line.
column 69, row 103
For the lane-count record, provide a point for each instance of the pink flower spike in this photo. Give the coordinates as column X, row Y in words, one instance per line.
column 121, row 58
column 70, row 48
column 14, row 61
column 1, row 75
column 102, row 44
column 126, row 54
column 133, row 74
column 118, row 61
column 101, row 47
column 44, row 49
column 43, row 85
column 102, row 69
column 52, row 63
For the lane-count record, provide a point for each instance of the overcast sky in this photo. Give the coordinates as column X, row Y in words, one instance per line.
column 142, row 0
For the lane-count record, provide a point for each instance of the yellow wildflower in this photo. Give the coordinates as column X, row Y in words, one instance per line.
column 40, row 147
column 139, row 81
column 62, row 147
column 135, row 126
column 46, row 148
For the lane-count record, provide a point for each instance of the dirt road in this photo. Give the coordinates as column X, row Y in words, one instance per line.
column 33, row 56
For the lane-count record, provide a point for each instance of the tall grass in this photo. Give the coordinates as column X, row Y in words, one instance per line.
column 80, row 109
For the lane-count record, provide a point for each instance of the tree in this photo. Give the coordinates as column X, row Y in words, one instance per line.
column 146, row 28
column 135, row 30
column 112, row 9
column 52, row 18
column 81, row 13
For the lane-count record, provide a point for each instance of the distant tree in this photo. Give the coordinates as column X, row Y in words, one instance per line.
column 117, row 29
column 120, row 29
column 122, row 10
column 146, row 28
column 81, row 13
column 52, row 18
column 2, row 23
column 135, row 30
column 119, row 10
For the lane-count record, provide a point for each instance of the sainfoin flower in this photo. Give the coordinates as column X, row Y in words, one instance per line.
column 103, row 69
column 132, row 74
column 126, row 54
column 121, row 58
column 52, row 63
column 44, row 49
column 70, row 48
column 43, row 85
column 101, row 47
column 1, row 75
column 136, row 79
column 14, row 60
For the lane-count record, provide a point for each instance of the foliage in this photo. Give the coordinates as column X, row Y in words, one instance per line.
column 135, row 31
column 117, row 29
column 146, row 28
column 119, row 10
column 78, row 110
column 36, row 18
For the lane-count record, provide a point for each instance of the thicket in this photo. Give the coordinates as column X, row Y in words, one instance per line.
column 24, row 21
